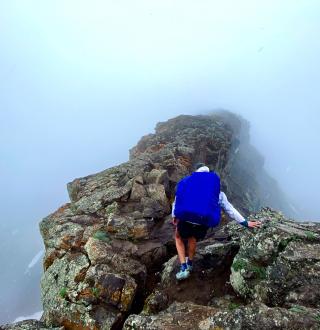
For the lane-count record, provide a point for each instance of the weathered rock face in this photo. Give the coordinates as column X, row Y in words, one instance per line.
column 259, row 316
column 274, row 274
column 177, row 316
column 251, row 317
column 105, row 249
column 280, row 264
column 28, row 325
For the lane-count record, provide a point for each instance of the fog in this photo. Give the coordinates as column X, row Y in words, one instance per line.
column 81, row 82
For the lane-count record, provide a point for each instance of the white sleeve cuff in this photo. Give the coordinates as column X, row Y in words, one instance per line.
column 229, row 209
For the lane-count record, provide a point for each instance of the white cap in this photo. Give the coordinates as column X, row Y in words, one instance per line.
column 203, row 169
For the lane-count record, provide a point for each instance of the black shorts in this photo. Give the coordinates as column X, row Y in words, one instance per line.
column 187, row 230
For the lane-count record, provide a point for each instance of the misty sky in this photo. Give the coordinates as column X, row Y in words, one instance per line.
column 82, row 81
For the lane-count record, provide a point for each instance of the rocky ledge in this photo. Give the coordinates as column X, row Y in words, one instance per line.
column 267, row 278
column 110, row 256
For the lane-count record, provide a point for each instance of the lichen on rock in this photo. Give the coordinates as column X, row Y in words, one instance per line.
column 278, row 264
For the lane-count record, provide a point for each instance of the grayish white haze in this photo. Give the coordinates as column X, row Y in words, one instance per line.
column 82, row 81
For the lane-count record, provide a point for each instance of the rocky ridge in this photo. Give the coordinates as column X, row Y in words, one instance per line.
column 110, row 256
column 267, row 278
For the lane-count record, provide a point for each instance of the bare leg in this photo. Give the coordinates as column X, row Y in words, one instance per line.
column 192, row 244
column 180, row 248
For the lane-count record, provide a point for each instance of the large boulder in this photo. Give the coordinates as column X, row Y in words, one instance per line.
column 189, row 316
column 66, row 294
column 176, row 316
column 279, row 264
column 259, row 316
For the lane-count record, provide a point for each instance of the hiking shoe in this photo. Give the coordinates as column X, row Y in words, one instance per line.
column 182, row 274
column 189, row 268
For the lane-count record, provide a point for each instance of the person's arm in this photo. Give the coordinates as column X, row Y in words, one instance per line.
column 174, row 219
column 234, row 214
column 173, row 207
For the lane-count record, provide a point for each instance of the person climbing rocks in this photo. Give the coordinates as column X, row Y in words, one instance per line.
column 197, row 207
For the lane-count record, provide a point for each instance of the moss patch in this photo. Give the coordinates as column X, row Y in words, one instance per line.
column 259, row 271
column 284, row 242
column 317, row 318
column 63, row 292
column 297, row 309
column 239, row 264
column 233, row 306
column 310, row 235
column 102, row 236
column 96, row 292
column 110, row 209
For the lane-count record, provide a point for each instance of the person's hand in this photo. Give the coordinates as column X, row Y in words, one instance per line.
column 254, row 224
column 174, row 221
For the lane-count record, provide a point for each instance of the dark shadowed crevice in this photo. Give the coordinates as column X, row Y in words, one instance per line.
column 152, row 279
column 209, row 280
